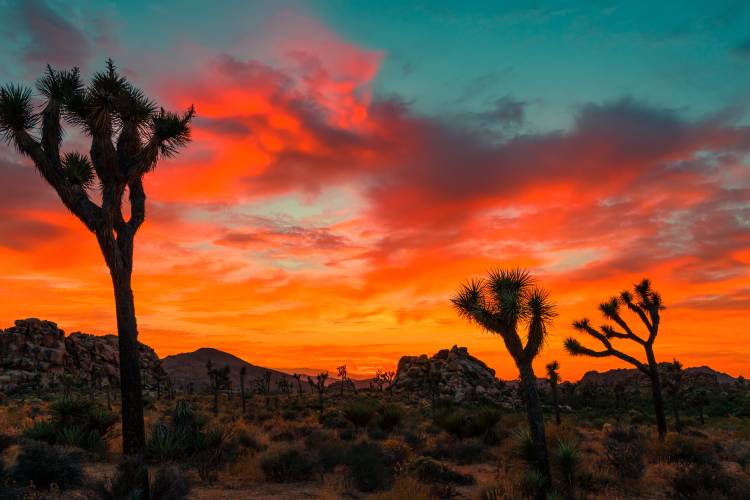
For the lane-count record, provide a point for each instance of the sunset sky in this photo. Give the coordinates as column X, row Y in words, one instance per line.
column 353, row 163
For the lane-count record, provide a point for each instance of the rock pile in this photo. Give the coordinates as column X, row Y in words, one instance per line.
column 38, row 351
column 451, row 374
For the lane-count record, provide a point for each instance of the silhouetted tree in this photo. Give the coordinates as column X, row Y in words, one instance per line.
column 554, row 377
column 342, row 375
column 243, row 372
column 218, row 379
column 673, row 377
column 319, row 385
column 699, row 399
column 298, row 378
column 129, row 134
column 500, row 303
column 647, row 305
column 263, row 386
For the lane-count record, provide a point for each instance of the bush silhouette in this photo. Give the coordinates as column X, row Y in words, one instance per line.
column 43, row 465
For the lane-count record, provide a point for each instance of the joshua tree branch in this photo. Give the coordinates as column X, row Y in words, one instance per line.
column 74, row 198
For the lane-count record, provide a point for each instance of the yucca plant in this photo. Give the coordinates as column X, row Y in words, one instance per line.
column 502, row 303
column 129, row 134
column 568, row 458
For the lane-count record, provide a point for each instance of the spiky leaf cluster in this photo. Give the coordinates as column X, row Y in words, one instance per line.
column 502, row 301
column 16, row 114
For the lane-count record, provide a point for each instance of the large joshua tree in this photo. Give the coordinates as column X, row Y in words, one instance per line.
column 129, row 134
column 647, row 305
column 501, row 304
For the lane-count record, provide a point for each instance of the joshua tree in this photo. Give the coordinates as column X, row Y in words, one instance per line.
column 673, row 375
column 699, row 398
column 243, row 372
column 298, row 378
column 500, row 304
column 319, row 385
column 554, row 377
column 263, row 386
column 129, row 134
column 218, row 379
column 342, row 374
column 647, row 305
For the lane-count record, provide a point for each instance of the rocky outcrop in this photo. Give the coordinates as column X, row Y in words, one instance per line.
column 37, row 351
column 451, row 374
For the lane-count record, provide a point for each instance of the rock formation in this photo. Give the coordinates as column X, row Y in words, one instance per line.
column 451, row 374
column 37, row 351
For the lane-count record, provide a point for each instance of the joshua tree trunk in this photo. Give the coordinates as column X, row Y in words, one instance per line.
column 536, row 424
column 653, row 368
column 133, row 432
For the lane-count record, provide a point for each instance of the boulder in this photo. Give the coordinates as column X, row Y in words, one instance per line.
column 37, row 351
column 451, row 374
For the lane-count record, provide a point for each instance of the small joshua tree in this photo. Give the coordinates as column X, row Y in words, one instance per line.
column 298, row 378
column 673, row 377
column 129, row 134
column 500, row 304
column 243, row 372
column 218, row 379
column 342, row 375
column 647, row 305
column 699, row 399
column 554, row 377
column 319, row 385
column 263, row 386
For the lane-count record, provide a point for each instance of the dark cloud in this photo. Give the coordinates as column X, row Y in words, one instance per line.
column 52, row 38
column 505, row 111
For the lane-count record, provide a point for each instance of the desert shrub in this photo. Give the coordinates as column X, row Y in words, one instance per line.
column 332, row 420
column 170, row 483
column 396, row 451
column 360, row 411
column 369, row 467
column 462, row 422
column 709, row 481
column 75, row 422
column 523, row 445
column 330, row 454
column 163, row 443
column 688, row 449
column 463, row 451
column 568, row 458
column 414, row 439
column 42, row 430
column 249, row 441
column 44, row 464
column 376, row 434
column 431, row 471
column 214, row 447
column 287, row 465
column 283, row 435
column 390, row 416
column 625, row 452
column 6, row 441
column 125, row 484
column 347, row 434
column 532, row 482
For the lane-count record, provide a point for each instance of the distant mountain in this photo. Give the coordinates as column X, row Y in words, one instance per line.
column 699, row 374
column 191, row 367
